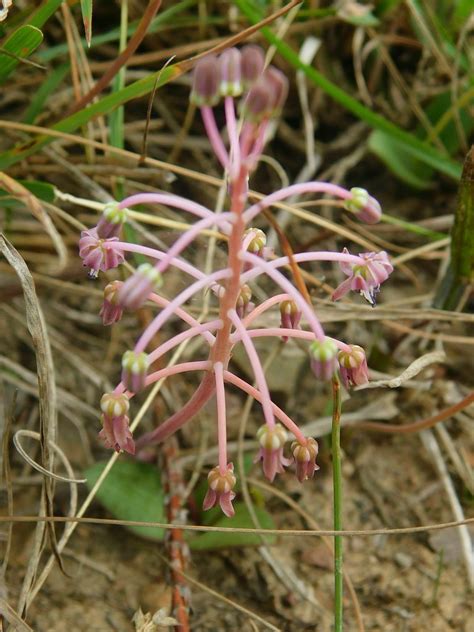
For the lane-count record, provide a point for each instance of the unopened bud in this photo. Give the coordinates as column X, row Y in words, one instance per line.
column 353, row 366
column 230, row 73
column 111, row 311
column 112, row 219
column 134, row 370
column 139, row 286
column 305, row 458
column 205, row 90
column 363, row 205
column 278, row 87
column 290, row 316
column 244, row 304
column 324, row 358
column 114, row 404
column 252, row 63
column 258, row 242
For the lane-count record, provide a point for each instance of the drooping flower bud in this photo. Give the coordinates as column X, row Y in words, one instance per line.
column 366, row 208
column 305, row 455
column 114, row 404
column 290, row 316
column 365, row 278
column 252, row 63
column 272, row 442
column 134, row 370
column 323, row 358
column 353, row 367
column 111, row 221
column 258, row 103
column 244, row 304
column 278, row 87
column 256, row 246
column 230, row 73
column 96, row 254
column 221, row 490
column 111, row 312
column 139, row 286
column 205, row 90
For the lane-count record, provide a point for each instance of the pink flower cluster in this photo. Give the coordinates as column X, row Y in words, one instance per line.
column 235, row 75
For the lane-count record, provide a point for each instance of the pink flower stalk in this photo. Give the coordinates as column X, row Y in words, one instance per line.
column 364, row 278
column 261, row 93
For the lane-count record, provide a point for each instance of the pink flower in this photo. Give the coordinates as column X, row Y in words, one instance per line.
column 353, row 366
column 221, row 490
column 134, row 370
column 111, row 312
column 139, row 286
column 272, row 442
column 364, row 206
column 96, row 255
column 305, row 458
column 323, row 354
column 115, row 432
column 290, row 316
column 365, row 278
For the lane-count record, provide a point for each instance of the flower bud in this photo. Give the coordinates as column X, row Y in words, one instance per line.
column 230, row 73
column 111, row 221
column 205, row 90
column 272, row 442
column 258, row 103
column 221, row 490
column 134, row 370
column 114, row 404
column 252, row 63
column 139, row 286
column 365, row 207
column 323, row 358
column 290, row 316
column 353, row 366
column 244, row 305
column 258, row 242
column 111, row 312
column 278, row 87
column 305, row 455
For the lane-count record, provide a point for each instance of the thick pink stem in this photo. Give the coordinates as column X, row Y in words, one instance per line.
column 221, row 417
column 214, row 135
column 201, row 396
column 174, row 201
column 187, row 237
column 153, row 253
column 296, row 189
column 169, row 310
column 185, row 335
column 302, row 257
column 287, row 287
column 256, row 368
column 279, row 413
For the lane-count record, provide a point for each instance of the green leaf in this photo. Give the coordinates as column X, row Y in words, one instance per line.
column 394, row 155
column 48, row 88
column 132, row 491
column 86, row 8
column 242, row 520
column 413, row 146
column 44, row 12
column 21, row 43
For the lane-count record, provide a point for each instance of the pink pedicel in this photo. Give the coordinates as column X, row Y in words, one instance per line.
column 237, row 83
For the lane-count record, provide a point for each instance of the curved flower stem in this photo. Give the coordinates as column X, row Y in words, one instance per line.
column 189, row 236
column 301, row 257
column 276, row 332
column 214, row 135
column 256, row 368
column 221, row 417
column 201, row 396
column 153, row 253
column 337, row 508
column 263, row 307
column 287, row 287
column 179, row 338
column 169, row 310
column 166, row 199
column 255, row 393
column 183, row 314
column 296, row 189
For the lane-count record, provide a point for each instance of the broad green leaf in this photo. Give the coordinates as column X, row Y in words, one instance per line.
column 132, row 491
column 243, row 520
column 413, row 146
column 44, row 12
column 86, row 8
column 21, row 43
column 403, row 165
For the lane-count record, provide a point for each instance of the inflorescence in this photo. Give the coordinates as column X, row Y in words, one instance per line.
column 236, row 75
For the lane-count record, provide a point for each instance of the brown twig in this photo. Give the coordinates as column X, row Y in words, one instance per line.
column 417, row 425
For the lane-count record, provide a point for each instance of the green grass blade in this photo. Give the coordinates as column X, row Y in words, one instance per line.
column 413, row 146
column 51, row 83
column 44, row 12
column 86, row 8
column 103, row 107
column 21, row 43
